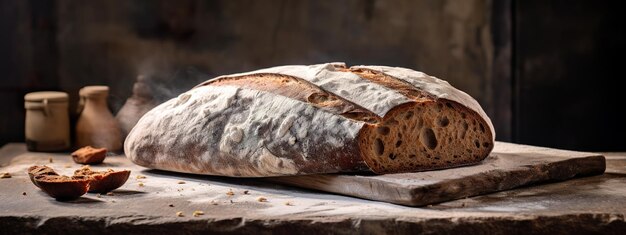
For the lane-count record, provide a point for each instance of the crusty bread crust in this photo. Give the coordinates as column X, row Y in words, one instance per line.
column 325, row 118
column 301, row 90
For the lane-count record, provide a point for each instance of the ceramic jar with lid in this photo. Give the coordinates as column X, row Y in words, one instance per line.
column 47, row 124
column 96, row 126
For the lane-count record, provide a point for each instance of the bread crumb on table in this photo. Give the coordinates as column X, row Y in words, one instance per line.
column 261, row 199
column 140, row 184
column 140, row 177
column 230, row 192
column 5, row 175
column 180, row 214
column 198, row 213
column 288, row 204
column 50, row 160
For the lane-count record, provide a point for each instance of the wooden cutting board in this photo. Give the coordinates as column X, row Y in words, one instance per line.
column 508, row 166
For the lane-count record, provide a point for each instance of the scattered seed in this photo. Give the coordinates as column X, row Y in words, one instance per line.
column 246, row 192
column 230, row 193
column 141, row 177
column 171, row 205
column 140, row 184
column 5, row 175
column 180, row 214
column 231, row 202
column 261, row 199
column 50, row 160
column 198, row 213
column 288, row 204
column 181, row 182
column 24, row 193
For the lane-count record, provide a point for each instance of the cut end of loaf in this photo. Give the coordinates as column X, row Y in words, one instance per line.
column 425, row 136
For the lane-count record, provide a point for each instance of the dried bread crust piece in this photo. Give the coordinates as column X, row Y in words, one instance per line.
column 103, row 181
column 35, row 171
column 89, row 155
column 63, row 187
column 324, row 118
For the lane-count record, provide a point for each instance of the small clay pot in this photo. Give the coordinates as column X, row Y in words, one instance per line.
column 47, row 124
column 96, row 126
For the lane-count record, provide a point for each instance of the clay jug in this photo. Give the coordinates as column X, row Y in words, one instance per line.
column 96, row 126
column 136, row 106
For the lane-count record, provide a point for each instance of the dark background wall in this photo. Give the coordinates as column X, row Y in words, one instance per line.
column 520, row 59
column 569, row 57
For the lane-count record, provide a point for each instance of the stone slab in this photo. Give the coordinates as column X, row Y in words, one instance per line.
column 594, row 204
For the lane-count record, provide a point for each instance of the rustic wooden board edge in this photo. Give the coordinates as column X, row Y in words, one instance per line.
column 501, row 180
column 448, row 190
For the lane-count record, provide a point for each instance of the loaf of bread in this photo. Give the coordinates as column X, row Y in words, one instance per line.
column 324, row 118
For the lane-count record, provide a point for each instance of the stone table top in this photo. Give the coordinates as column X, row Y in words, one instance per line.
column 594, row 204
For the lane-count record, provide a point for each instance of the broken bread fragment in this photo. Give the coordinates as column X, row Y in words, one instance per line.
column 5, row 175
column 89, row 155
column 39, row 171
column 103, row 181
column 325, row 118
column 63, row 187
column 84, row 180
